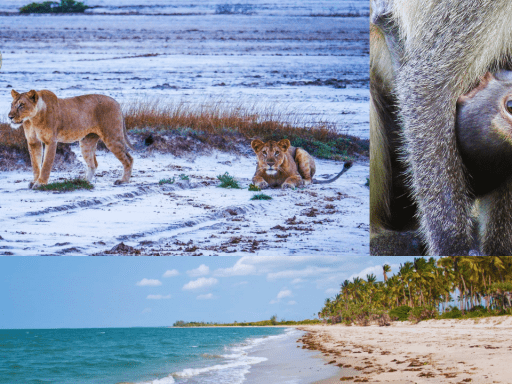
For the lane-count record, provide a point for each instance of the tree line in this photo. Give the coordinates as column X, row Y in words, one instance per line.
column 424, row 288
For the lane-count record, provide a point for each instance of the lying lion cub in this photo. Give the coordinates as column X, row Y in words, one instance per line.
column 48, row 120
column 281, row 165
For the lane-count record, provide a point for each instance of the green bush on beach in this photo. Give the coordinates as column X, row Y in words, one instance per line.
column 66, row 185
column 65, row 6
column 400, row 313
column 261, row 196
column 228, row 181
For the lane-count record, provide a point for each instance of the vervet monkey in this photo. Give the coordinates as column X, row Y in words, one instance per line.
column 446, row 47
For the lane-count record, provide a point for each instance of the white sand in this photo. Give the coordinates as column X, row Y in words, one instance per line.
column 434, row 351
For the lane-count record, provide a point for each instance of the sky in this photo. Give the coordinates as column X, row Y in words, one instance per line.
column 98, row 292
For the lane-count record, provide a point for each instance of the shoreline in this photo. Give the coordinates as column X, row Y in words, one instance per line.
column 448, row 351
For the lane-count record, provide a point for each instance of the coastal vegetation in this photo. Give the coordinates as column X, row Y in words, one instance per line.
column 450, row 287
column 273, row 321
column 65, row 6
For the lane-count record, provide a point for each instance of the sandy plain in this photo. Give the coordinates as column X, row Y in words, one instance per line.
column 310, row 57
column 435, row 351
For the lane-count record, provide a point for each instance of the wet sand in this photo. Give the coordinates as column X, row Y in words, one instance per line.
column 441, row 351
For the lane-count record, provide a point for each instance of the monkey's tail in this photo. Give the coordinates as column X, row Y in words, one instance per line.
column 126, row 137
column 346, row 167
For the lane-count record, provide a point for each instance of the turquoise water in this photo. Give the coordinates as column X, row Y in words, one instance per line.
column 132, row 355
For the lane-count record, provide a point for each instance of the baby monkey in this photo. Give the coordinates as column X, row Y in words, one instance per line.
column 484, row 132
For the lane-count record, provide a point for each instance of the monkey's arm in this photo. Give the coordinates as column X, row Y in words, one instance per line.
column 381, row 17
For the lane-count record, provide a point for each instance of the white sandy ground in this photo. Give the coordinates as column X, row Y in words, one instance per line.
column 435, row 351
column 192, row 217
column 182, row 51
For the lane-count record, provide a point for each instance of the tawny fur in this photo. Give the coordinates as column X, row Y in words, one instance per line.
column 448, row 45
column 49, row 120
column 281, row 165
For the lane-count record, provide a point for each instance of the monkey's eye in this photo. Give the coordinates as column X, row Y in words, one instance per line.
column 509, row 106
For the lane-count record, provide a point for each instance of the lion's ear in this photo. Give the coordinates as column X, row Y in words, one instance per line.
column 257, row 145
column 32, row 95
column 14, row 94
column 284, row 144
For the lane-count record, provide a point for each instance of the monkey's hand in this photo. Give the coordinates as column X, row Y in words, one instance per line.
column 380, row 13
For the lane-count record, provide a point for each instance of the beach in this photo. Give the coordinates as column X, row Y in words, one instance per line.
column 441, row 351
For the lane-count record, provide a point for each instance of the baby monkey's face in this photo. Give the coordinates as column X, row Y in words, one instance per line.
column 484, row 129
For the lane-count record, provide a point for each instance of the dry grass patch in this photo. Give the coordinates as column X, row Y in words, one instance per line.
column 224, row 126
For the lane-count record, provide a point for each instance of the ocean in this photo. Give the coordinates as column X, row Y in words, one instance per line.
column 153, row 355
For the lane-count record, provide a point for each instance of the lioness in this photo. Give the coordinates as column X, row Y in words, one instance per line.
column 281, row 165
column 49, row 120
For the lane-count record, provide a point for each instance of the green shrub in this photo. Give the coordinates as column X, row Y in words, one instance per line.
column 261, row 196
column 228, row 181
column 167, row 181
column 184, row 177
column 453, row 313
column 65, row 6
column 66, row 185
column 254, row 188
column 400, row 313
column 422, row 313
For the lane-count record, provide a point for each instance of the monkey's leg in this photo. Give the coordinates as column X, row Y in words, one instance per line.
column 496, row 221
column 427, row 89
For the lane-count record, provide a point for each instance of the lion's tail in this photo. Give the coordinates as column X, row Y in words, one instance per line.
column 126, row 137
column 346, row 167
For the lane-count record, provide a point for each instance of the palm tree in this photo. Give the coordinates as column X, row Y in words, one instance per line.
column 385, row 270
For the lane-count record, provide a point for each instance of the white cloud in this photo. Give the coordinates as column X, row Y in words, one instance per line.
column 158, row 297
column 208, row 296
column 171, row 273
column 256, row 265
column 240, row 283
column 298, row 281
column 146, row 310
column 332, row 291
column 292, row 302
column 200, row 283
column 199, row 271
column 298, row 273
column 149, row 282
column 284, row 293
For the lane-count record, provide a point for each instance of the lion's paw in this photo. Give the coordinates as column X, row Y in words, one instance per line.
column 119, row 182
column 262, row 185
column 34, row 185
column 287, row 186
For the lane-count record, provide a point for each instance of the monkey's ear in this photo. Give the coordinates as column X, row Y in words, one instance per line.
column 284, row 144
column 14, row 94
column 484, row 81
column 257, row 145
column 32, row 95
